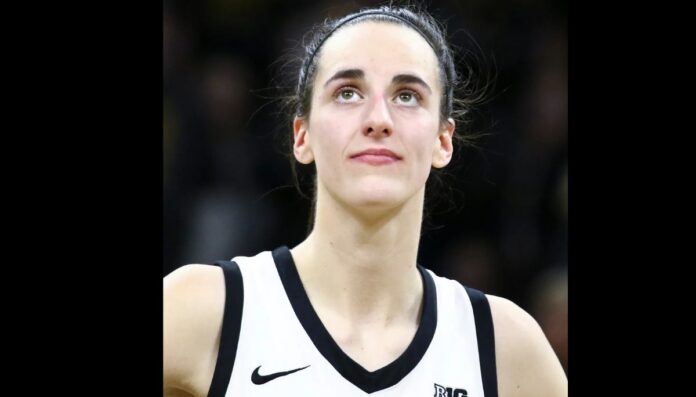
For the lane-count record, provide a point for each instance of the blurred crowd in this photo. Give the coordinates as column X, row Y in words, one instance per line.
column 227, row 183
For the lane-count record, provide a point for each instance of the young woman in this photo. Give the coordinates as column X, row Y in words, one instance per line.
column 349, row 312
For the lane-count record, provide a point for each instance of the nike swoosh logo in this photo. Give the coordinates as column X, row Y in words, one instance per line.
column 261, row 379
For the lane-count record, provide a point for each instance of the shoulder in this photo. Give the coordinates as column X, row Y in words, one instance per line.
column 526, row 363
column 194, row 302
column 194, row 290
column 193, row 279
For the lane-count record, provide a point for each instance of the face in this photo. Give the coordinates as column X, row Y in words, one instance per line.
column 374, row 129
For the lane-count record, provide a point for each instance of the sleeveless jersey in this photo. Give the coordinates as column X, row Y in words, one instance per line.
column 274, row 344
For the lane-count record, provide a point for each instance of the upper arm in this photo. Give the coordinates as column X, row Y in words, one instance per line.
column 525, row 361
column 194, row 301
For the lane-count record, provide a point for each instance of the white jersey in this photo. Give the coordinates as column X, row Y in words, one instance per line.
column 281, row 348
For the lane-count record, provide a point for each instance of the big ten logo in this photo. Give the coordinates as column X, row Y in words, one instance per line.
column 441, row 391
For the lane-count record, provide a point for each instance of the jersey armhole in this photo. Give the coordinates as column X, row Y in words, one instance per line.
column 486, row 341
column 231, row 325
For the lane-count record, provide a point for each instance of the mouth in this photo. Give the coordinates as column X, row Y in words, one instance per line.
column 376, row 157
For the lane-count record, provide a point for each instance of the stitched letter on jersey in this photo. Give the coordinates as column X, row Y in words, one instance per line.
column 441, row 391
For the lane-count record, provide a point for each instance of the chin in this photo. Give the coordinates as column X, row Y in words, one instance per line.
column 383, row 196
column 374, row 194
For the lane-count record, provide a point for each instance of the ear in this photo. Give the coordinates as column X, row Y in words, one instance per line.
column 442, row 150
column 301, row 147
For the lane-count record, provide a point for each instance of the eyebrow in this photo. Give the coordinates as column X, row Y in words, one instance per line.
column 346, row 74
column 409, row 78
column 359, row 74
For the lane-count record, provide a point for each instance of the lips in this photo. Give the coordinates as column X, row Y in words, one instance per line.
column 376, row 156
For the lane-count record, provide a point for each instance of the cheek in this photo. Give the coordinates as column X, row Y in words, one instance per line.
column 420, row 141
column 329, row 135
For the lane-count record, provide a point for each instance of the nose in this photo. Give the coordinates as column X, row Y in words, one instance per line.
column 378, row 119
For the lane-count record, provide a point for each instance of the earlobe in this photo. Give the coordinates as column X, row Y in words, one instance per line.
column 301, row 147
column 442, row 152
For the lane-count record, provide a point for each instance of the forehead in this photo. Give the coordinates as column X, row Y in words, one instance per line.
column 378, row 48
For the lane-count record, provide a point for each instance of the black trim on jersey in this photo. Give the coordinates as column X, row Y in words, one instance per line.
column 367, row 381
column 486, row 341
column 231, row 324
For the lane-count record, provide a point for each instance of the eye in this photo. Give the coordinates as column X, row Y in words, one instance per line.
column 408, row 98
column 347, row 95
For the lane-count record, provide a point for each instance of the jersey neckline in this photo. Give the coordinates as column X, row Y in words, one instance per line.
column 367, row 381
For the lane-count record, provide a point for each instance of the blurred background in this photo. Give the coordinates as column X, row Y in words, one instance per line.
column 227, row 184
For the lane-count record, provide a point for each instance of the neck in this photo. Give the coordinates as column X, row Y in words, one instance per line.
column 362, row 264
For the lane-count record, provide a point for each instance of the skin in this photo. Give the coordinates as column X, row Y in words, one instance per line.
column 358, row 265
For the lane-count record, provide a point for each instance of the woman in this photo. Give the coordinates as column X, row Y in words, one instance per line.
column 349, row 312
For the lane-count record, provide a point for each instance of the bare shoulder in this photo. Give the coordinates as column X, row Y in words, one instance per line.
column 194, row 303
column 526, row 363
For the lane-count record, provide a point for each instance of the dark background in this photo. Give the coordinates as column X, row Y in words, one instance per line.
column 227, row 187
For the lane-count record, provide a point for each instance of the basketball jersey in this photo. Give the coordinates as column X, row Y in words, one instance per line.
column 274, row 344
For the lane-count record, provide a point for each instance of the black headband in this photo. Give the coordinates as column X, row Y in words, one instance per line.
column 303, row 77
column 360, row 15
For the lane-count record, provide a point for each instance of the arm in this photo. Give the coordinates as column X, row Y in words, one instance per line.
column 194, row 301
column 526, row 364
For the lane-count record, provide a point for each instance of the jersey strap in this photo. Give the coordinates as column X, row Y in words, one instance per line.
column 486, row 341
column 231, row 324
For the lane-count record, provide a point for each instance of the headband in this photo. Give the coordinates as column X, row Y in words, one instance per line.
column 305, row 70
